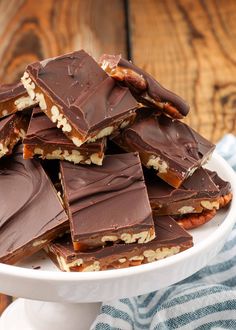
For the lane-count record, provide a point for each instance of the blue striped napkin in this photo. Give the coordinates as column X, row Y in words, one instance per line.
column 206, row 300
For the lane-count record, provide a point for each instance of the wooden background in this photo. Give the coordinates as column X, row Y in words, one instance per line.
column 188, row 45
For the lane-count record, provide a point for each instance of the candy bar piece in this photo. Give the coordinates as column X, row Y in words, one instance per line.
column 143, row 86
column 12, row 129
column 31, row 214
column 48, row 142
column 13, row 98
column 77, row 95
column 196, row 194
column 169, row 146
column 226, row 194
column 108, row 203
column 170, row 239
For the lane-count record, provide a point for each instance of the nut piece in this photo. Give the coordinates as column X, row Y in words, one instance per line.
column 157, row 163
column 185, row 209
column 4, row 113
column 41, row 100
column 66, row 266
column 224, row 200
column 152, row 255
column 92, row 268
column 28, row 84
column 210, row 205
column 61, row 121
column 111, row 238
column 142, row 237
column 23, row 103
column 40, row 242
column 104, row 132
column 124, row 124
column 95, row 159
column 77, row 141
column 3, row 150
column 195, row 220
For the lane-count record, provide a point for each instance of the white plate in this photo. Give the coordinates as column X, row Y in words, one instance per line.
column 49, row 284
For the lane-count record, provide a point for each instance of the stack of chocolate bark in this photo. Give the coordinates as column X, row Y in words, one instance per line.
column 107, row 175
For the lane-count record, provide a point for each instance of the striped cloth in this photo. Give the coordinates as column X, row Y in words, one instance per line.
column 206, row 300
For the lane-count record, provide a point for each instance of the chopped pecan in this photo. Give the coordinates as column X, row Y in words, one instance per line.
column 129, row 76
column 172, row 111
column 196, row 220
column 224, row 200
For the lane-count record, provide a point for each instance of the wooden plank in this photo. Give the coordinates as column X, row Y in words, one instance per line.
column 31, row 31
column 4, row 302
column 190, row 47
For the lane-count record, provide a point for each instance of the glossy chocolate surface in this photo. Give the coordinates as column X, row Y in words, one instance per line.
column 43, row 132
column 10, row 91
column 199, row 185
column 6, row 124
column 150, row 92
column 30, row 209
column 106, row 199
column 182, row 148
column 223, row 186
column 168, row 234
column 89, row 98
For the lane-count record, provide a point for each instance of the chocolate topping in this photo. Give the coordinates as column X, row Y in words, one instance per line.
column 199, row 185
column 30, row 210
column 88, row 97
column 107, row 200
column 143, row 86
column 43, row 132
column 5, row 125
column 223, row 186
column 168, row 234
column 178, row 148
column 9, row 91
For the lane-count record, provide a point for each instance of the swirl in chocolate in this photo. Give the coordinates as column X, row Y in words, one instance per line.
column 31, row 213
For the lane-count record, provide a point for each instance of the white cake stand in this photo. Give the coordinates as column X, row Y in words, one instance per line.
column 71, row 301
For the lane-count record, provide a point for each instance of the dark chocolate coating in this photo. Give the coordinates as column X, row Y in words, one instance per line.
column 30, row 208
column 42, row 131
column 223, row 186
column 89, row 98
column 199, row 185
column 6, row 124
column 106, row 199
column 9, row 91
column 168, row 234
column 154, row 90
column 173, row 141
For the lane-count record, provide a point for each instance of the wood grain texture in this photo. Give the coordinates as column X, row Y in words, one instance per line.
column 4, row 302
column 190, row 47
column 32, row 30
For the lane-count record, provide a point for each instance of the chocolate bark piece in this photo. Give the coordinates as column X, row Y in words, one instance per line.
column 48, row 142
column 108, row 203
column 168, row 145
column 143, row 86
column 13, row 98
column 12, row 129
column 77, row 95
column 170, row 239
column 224, row 187
column 31, row 214
column 196, row 194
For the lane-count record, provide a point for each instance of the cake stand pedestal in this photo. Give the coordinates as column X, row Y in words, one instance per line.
column 39, row 315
